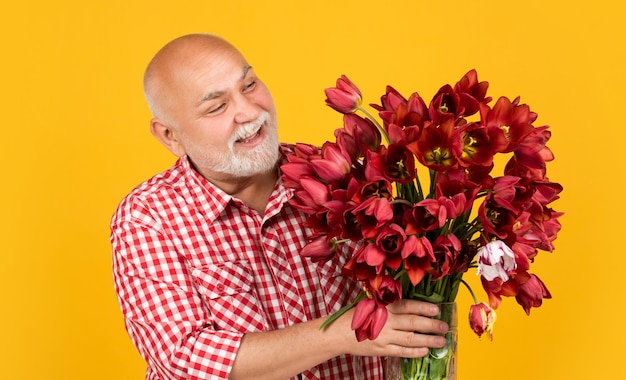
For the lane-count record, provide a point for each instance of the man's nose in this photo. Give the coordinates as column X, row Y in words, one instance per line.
column 246, row 109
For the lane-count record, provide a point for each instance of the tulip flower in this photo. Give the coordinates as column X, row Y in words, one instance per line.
column 333, row 166
column 446, row 105
column 384, row 289
column 408, row 240
column 307, row 151
column 546, row 192
column 389, row 245
column 418, row 257
column 406, row 116
column 363, row 130
column 514, row 119
column 358, row 268
column 296, row 169
column 372, row 215
column 497, row 289
column 319, row 249
column 504, row 191
column 478, row 144
column 531, row 293
column 396, row 164
column 472, row 92
column 532, row 151
column 434, row 148
column 369, row 319
column 345, row 97
column 481, row 319
column 459, row 188
column 495, row 260
column 420, row 220
column 318, row 192
column 445, row 248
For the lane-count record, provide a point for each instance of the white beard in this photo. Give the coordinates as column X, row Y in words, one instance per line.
column 245, row 163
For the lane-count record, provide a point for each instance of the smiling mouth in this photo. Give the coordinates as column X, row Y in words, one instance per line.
column 250, row 138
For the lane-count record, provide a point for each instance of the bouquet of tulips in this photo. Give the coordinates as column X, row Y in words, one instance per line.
column 418, row 230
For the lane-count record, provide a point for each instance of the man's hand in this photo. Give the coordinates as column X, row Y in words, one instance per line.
column 409, row 331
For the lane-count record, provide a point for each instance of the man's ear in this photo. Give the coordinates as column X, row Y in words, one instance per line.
column 167, row 136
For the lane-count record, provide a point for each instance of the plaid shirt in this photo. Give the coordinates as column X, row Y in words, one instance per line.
column 195, row 269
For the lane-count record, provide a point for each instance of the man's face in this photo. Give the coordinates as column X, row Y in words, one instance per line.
column 224, row 116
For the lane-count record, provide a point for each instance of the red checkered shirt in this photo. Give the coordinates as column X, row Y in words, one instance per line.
column 195, row 269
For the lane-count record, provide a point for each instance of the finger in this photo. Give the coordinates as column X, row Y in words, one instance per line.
column 410, row 330
column 405, row 306
column 408, row 352
column 409, row 344
column 416, row 323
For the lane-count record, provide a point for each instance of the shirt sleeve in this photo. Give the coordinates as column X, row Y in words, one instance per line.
column 166, row 318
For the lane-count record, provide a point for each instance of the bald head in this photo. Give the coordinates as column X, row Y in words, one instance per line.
column 171, row 67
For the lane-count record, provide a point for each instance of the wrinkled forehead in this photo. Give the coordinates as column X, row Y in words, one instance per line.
column 208, row 70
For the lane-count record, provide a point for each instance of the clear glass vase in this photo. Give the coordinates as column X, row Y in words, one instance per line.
column 439, row 364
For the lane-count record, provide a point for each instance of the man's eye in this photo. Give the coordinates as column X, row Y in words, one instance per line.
column 250, row 86
column 217, row 109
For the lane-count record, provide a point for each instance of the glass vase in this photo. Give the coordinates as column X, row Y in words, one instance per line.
column 439, row 364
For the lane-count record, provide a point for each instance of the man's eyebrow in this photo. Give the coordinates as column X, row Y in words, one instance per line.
column 246, row 68
column 217, row 94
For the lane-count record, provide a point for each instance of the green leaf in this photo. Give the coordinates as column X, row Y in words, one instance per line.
column 433, row 298
column 333, row 317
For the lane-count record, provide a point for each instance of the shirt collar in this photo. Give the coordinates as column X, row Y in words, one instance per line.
column 206, row 196
column 213, row 201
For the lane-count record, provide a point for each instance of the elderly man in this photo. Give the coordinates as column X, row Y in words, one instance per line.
column 206, row 255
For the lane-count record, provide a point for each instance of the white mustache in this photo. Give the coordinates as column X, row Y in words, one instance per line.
column 250, row 128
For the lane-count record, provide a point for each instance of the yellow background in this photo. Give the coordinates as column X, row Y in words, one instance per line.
column 76, row 140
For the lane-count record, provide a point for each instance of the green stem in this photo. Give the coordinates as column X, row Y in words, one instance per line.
column 409, row 192
column 400, row 273
column 470, row 290
column 466, row 230
column 401, row 201
column 373, row 119
column 420, row 192
column 342, row 311
column 433, row 182
column 341, row 241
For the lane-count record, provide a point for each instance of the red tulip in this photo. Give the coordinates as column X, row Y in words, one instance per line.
column 418, row 257
column 532, row 152
column 295, row 169
column 319, row 249
column 434, row 149
column 405, row 116
column 368, row 319
column 385, row 289
column 514, row 119
column 482, row 318
column 420, row 220
column 405, row 237
column 345, row 97
column 396, row 164
column 317, row 191
column 445, row 105
column 531, row 293
column 478, row 144
column 372, row 215
column 445, row 248
column 504, row 190
column 334, row 165
column 472, row 92
column 364, row 132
